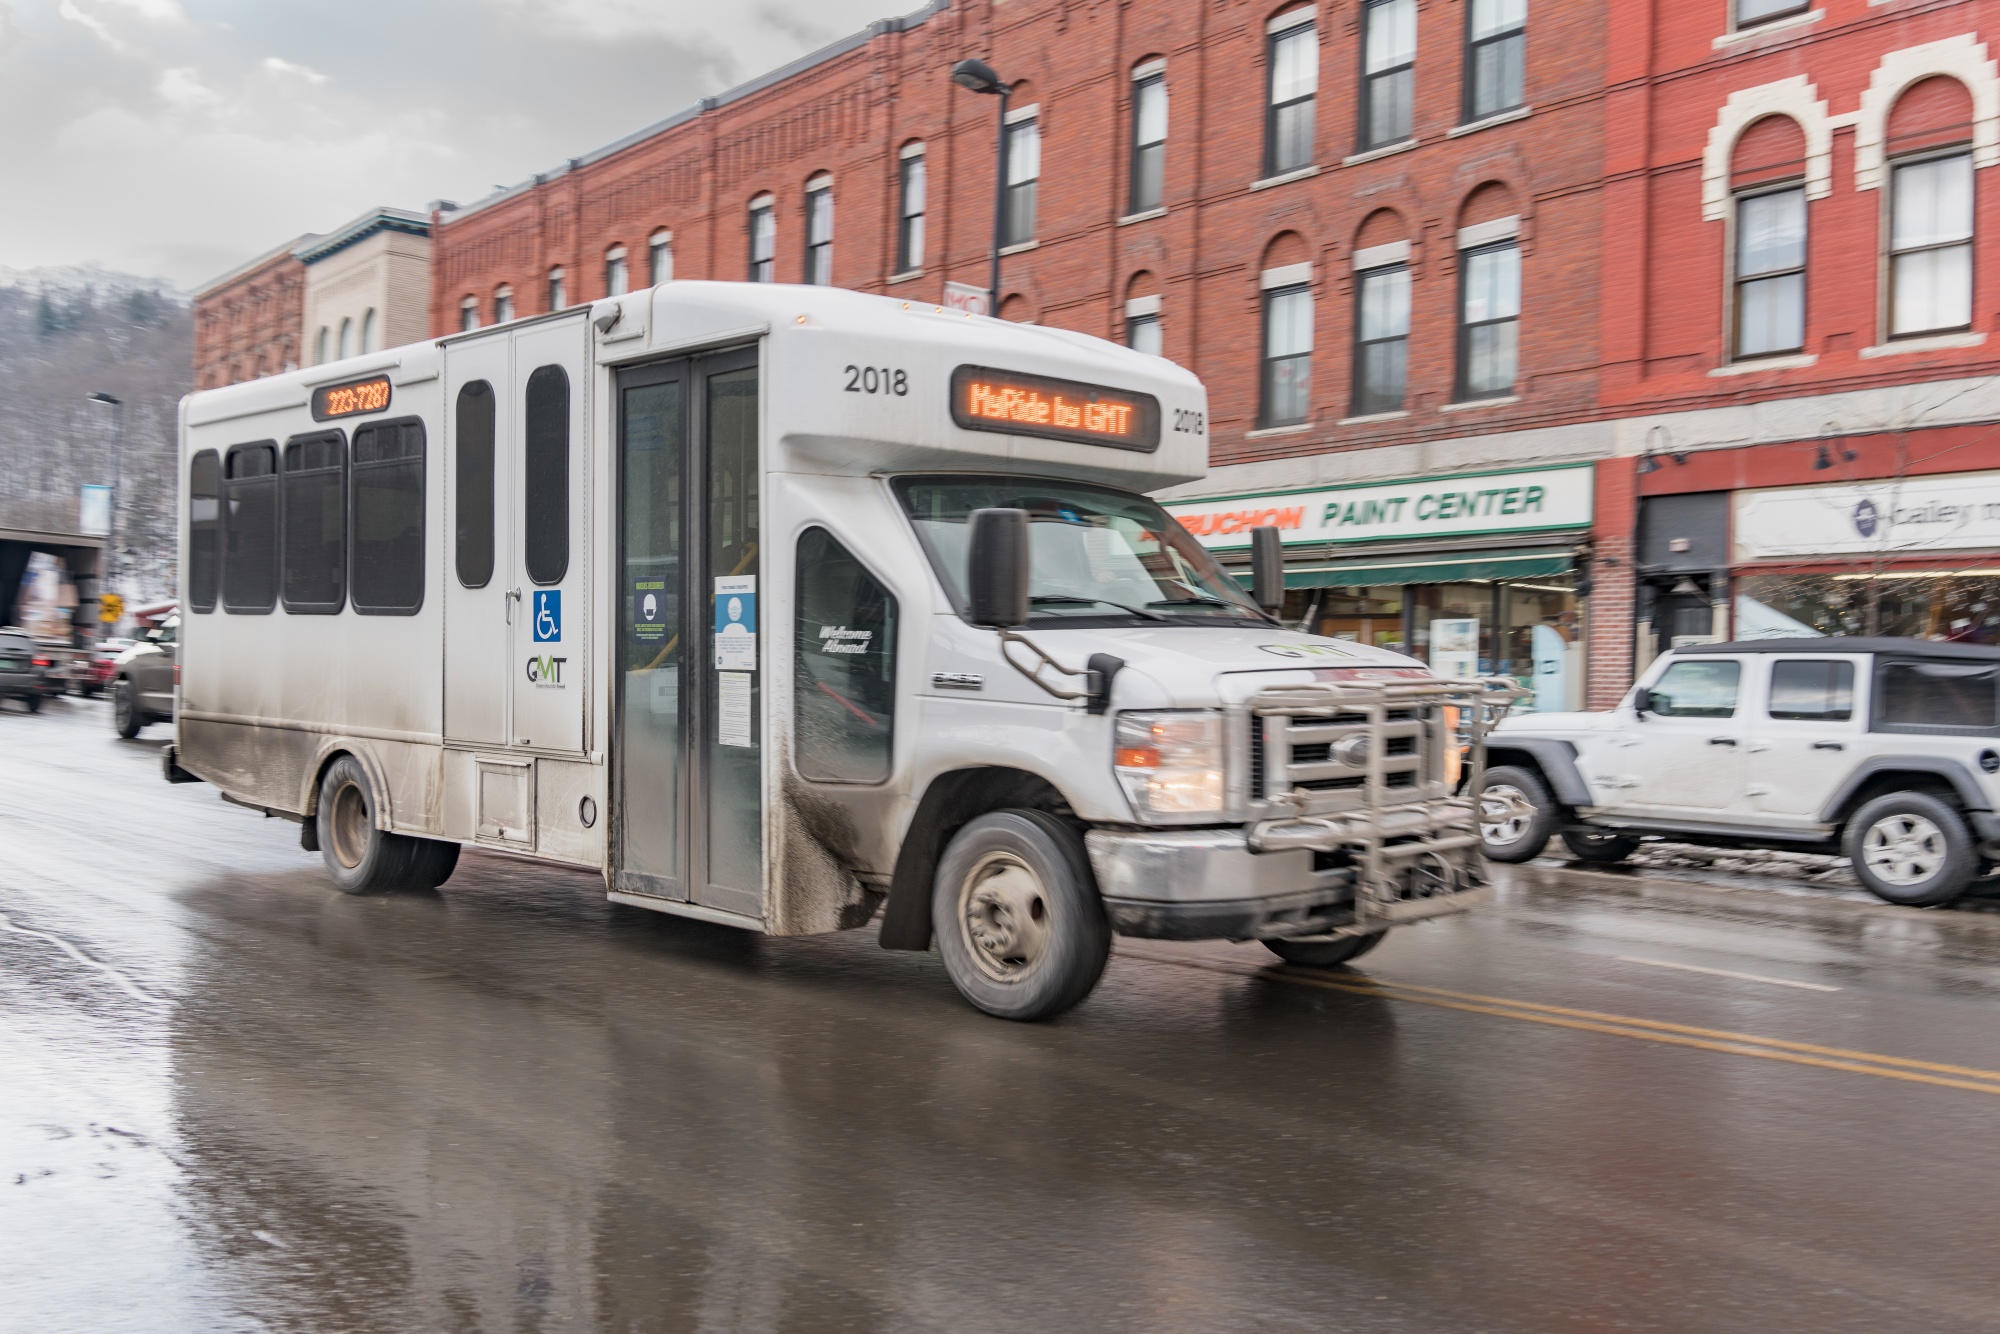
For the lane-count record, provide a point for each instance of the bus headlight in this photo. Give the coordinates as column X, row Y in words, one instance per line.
column 1170, row 763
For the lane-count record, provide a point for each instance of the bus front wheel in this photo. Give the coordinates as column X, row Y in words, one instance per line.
column 1019, row 924
column 363, row 858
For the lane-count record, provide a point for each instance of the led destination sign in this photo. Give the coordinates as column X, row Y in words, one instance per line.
column 983, row 399
column 351, row 399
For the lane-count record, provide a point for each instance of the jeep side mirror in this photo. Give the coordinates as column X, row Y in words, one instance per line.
column 1267, row 567
column 996, row 568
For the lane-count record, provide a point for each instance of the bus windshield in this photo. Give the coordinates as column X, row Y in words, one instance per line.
column 1096, row 555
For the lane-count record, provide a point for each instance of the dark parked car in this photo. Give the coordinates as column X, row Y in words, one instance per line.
column 24, row 669
column 143, row 690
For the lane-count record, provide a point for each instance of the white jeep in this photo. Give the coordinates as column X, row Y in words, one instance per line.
column 1882, row 750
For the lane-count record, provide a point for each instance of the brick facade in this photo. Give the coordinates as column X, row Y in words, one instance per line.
column 1642, row 122
column 248, row 323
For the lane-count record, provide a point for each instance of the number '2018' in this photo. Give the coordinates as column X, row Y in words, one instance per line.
column 878, row 380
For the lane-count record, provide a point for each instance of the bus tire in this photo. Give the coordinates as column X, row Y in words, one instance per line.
column 1017, row 917
column 1324, row 953
column 361, row 858
column 435, row 860
column 125, row 715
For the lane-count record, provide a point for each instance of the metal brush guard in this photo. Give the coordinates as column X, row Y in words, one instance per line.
column 1360, row 769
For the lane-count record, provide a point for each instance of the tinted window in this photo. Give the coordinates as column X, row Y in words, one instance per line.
column 1950, row 696
column 250, row 528
column 546, row 447
column 1697, row 690
column 1812, row 691
column 845, row 692
column 314, row 528
column 204, row 529
column 388, row 518
column 473, row 504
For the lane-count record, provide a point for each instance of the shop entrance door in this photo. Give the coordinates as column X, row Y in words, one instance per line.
column 689, row 762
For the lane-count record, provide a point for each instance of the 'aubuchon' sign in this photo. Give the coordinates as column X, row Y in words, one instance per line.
column 1494, row 502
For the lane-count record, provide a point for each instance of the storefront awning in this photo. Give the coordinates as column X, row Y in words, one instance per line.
column 1364, row 573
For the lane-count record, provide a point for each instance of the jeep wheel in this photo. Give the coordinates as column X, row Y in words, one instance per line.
column 1911, row 848
column 1516, row 814
column 125, row 715
column 1594, row 845
column 1018, row 921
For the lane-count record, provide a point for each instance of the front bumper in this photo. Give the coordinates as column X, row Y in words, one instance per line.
column 1206, row 884
column 1259, row 883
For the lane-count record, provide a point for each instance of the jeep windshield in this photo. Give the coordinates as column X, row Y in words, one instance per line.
column 1096, row 556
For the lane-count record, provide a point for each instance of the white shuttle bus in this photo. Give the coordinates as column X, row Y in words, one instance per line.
column 793, row 608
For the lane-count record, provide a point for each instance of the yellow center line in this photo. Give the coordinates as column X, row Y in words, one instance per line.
column 1626, row 1026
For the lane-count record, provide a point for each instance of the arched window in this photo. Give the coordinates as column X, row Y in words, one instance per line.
column 558, row 290
column 1930, row 209
column 1768, row 260
column 320, row 341
column 371, row 332
column 910, row 187
column 1286, row 383
column 660, row 257
column 763, row 240
column 347, row 337
column 1142, row 314
column 1381, row 313
column 819, row 230
column 1489, row 293
column 503, row 303
column 617, row 278
column 468, row 314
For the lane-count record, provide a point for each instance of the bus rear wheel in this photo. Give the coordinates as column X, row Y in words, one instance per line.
column 1017, row 918
column 363, row 858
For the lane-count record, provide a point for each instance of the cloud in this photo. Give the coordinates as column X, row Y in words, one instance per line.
column 182, row 137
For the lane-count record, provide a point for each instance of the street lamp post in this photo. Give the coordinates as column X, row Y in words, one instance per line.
column 117, row 407
column 978, row 77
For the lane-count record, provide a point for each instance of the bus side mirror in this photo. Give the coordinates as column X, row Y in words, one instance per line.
column 1267, row 567
column 996, row 567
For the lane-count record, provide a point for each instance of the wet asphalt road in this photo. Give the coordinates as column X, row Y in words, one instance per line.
column 231, row 1099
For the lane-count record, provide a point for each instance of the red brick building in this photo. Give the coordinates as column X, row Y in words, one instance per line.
column 1797, row 311
column 250, row 321
column 1237, row 185
column 1519, row 317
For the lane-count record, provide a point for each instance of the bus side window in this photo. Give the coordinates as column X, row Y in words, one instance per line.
column 387, row 518
column 250, row 528
column 312, row 489
column 546, row 450
column 204, row 523
column 844, row 686
column 474, row 501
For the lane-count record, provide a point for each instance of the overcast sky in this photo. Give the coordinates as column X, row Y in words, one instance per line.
column 178, row 138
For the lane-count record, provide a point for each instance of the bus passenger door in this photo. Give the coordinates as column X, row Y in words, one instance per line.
column 548, row 572
column 689, row 773
column 479, row 508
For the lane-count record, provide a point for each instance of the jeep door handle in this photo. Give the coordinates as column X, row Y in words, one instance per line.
column 1722, row 741
column 1828, row 745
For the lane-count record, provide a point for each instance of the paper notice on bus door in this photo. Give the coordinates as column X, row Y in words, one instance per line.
column 732, row 709
column 736, row 623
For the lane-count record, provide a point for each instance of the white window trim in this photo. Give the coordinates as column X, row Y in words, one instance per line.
column 1029, row 112
column 1487, row 233
column 1796, row 97
column 1789, row 361
column 1286, row 275
column 765, row 200
column 1293, row 18
column 1382, row 256
column 1142, row 305
column 1497, row 118
column 1926, row 343
column 1285, row 178
column 1737, row 36
column 616, row 252
column 1149, row 69
column 909, row 151
column 659, row 236
column 823, row 181
column 1963, row 58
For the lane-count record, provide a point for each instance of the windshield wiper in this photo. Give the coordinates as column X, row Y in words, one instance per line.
column 1043, row 599
column 1196, row 602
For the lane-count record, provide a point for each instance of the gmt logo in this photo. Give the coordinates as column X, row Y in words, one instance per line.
column 1867, row 519
column 546, row 672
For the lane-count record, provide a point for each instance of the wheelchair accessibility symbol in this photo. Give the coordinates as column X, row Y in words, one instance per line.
column 548, row 615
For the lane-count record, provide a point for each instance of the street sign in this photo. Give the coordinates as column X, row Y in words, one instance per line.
column 110, row 608
column 971, row 300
